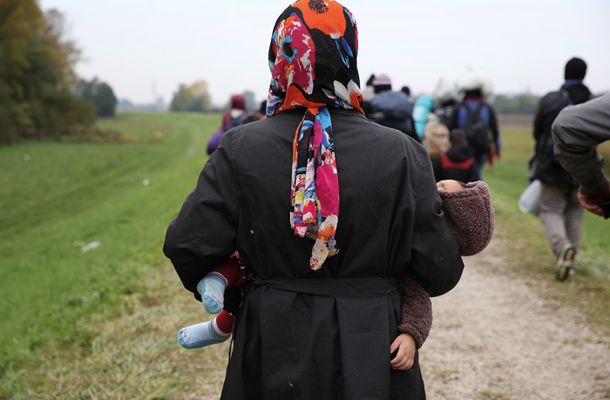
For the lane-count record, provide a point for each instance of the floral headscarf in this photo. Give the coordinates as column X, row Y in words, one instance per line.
column 312, row 58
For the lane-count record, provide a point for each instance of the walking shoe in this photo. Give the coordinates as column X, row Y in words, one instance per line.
column 565, row 262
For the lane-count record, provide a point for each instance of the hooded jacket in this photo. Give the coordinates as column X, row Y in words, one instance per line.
column 458, row 163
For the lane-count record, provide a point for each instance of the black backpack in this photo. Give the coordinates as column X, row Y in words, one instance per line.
column 546, row 150
column 476, row 131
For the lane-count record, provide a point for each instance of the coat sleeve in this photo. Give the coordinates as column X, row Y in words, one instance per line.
column 577, row 131
column 435, row 259
column 203, row 234
column 493, row 125
column 470, row 216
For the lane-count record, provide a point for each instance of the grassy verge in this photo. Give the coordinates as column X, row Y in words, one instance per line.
column 58, row 197
column 102, row 324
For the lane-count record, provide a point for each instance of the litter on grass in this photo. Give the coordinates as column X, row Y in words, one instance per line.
column 91, row 246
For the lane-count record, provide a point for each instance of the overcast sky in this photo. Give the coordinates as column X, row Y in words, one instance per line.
column 146, row 48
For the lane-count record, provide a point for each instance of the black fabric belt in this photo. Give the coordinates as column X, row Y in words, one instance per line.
column 338, row 288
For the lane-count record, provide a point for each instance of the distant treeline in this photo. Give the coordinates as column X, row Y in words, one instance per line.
column 515, row 104
column 40, row 94
column 196, row 98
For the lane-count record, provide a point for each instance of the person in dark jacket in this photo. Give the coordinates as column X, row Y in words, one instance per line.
column 560, row 211
column 330, row 211
column 458, row 161
column 232, row 118
column 577, row 131
column 390, row 108
column 474, row 102
column 237, row 111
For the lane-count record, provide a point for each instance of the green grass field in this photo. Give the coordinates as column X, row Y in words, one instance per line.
column 101, row 324
column 57, row 197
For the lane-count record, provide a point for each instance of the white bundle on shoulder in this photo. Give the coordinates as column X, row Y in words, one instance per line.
column 445, row 90
column 474, row 79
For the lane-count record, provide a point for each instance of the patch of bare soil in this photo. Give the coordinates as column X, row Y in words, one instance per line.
column 516, row 119
column 496, row 336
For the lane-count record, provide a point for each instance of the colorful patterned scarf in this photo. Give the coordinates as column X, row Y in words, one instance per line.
column 312, row 58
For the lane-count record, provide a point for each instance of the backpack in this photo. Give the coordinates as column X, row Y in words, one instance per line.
column 476, row 130
column 393, row 109
column 216, row 136
column 235, row 121
column 546, row 150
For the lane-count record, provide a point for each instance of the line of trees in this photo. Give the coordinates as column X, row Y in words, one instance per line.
column 194, row 97
column 98, row 93
column 37, row 75
column 517, row 104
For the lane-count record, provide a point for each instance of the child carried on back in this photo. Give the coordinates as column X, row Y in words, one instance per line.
column 468, row 213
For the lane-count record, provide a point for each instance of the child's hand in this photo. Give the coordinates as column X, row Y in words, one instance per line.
column 405, row 345
column 449, row 185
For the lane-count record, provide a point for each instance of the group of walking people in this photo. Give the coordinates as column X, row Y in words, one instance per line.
column 459, row 130
column 318, row 235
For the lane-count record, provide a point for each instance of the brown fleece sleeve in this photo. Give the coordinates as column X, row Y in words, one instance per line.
column 470, row 216
column 416, row 307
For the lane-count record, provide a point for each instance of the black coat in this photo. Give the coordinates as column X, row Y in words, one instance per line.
column 543, row 165
column 326, row 334
column 458, row 163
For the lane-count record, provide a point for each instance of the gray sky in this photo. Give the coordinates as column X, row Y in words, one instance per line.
column 147, row 47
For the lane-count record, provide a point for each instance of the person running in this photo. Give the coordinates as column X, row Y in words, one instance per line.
column 560, row 210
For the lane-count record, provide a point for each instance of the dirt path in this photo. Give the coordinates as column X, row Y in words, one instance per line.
column 495, row 336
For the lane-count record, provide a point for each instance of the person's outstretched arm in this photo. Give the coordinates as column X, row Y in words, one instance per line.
column 577, row 131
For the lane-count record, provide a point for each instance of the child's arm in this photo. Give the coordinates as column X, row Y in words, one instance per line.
column 416, row 311
column 469, row 213
column 415, row 324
